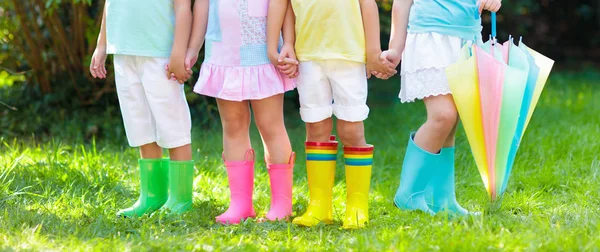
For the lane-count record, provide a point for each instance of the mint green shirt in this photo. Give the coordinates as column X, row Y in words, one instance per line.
column 457, row 18
column 140, row 27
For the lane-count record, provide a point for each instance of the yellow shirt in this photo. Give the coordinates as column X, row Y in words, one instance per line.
column 329, row 29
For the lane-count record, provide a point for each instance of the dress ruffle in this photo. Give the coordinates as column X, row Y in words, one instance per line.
column 424, row 60
column 239, row 83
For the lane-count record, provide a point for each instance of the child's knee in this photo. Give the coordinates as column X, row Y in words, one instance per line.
column 351, row 133
column 319, row 131
column 233, row 125
column 271, row 129
column 443, row 119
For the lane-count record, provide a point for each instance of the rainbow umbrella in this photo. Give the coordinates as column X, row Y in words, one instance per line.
column 496, row 88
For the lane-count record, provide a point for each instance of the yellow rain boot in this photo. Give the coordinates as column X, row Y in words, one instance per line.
column 359, row 162
column 320, row 168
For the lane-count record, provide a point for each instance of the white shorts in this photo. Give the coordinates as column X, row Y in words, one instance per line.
column 154, row 108
column 329, row 87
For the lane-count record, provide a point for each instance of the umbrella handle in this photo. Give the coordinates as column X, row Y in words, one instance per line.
column 493, row 25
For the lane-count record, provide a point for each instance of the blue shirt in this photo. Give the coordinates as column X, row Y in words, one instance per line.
column 457, row 18
column 140, row 27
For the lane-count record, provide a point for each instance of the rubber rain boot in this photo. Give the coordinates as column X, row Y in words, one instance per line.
column 441, row 193
column 181, row 187
column 320, row 168
column 154, row 177
column 240, row 175
column 281, row 177
column 416, row 175
column 359, row 163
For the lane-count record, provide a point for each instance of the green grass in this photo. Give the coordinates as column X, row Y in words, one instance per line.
column 63, row 195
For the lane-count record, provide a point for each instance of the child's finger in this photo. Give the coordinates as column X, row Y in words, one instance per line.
column 93, row 68
column 497, row 6
column 285, row 67
column 488, row 5
column 289, row 61
column 481, row 3
column 288, row 71
column 384, row 56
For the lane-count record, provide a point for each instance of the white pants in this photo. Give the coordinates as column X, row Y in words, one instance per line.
column 154, row 108
column 329, row 87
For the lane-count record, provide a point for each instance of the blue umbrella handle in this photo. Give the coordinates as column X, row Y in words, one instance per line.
column 493, row 24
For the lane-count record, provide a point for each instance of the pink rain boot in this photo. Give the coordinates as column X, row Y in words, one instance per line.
column 281, row 177
column 240, row 175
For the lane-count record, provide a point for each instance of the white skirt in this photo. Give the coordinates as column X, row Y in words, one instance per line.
column 424, row 60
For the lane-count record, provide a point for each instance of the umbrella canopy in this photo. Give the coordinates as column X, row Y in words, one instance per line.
column 496, row 88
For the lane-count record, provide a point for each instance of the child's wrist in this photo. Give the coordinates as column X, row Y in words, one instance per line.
column 193, row 50
column 373, row 51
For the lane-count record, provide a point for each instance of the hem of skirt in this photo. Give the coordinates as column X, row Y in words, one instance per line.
column 249, row 98
column 413, row 71
column 421, row 97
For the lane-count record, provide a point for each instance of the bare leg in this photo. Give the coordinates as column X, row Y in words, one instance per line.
column 183, row 153
column 351, row 133
column 235, row 117
column 268, row 114
column 151, row 151
column 319, row 131
column 441, row 120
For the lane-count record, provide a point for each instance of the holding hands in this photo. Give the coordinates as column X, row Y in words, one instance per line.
column 179, row 69
column 383, row 66
column 285, row 61
column 390, row 57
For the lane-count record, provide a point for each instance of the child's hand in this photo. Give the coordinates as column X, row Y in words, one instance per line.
column 490, row 5
column 393, row 57
column 177, row 69
column 285, row 61
column 376, row 65
column 191, row 57
column 97, row 66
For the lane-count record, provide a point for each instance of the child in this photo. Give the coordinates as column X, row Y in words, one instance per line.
column 237, row 72
column 145, row 36
column 335, row 38
column 436, row 32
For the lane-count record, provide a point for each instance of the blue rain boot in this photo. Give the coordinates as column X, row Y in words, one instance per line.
column 416, row 174
column 440, row 192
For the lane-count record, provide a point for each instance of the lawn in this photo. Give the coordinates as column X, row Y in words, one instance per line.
column 60, row 194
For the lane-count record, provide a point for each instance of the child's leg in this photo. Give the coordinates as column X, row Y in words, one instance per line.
column 140, row 126
column 350, row 88
column 235, row 118
column 437, row 136
column 319, row 132
column 239, row 160
column 268, row 114
column 151, row 150
column 441, row 120
column 183, row 153
column 167, row 101
column 351, row 133
column 450, row 140
column 321, row 152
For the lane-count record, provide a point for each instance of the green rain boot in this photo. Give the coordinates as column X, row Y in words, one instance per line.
column 440, row 192
column 181, row 180
column 153, row 188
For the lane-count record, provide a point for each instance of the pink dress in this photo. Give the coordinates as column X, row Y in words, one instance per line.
column 236, row 66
